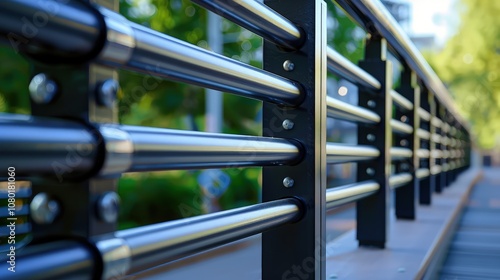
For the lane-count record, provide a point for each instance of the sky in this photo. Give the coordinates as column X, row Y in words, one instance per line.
column 437, row 17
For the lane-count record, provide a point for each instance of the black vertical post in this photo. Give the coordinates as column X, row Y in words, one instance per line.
column 83, row 205
column 372, row 213
column 433, row 145
column 297, row 251
column 426, row 184
column 442, row 145
column 436, row 136
column 405, row 195
column 451, row 156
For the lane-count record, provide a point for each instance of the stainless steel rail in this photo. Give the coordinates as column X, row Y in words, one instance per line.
column 157, row 244
column 401, row 101
column 350, row 71
column 345, row 111
column 161, row 149
column 258, row 18
column 398, row 180
column 398, row 153
column 338, row 153
column 401, row 127
column 372, row 15
column 349, row 193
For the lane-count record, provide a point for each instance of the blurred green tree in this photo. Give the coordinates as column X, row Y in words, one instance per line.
column 470, row 65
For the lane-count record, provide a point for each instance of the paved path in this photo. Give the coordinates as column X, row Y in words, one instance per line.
column 475, row 250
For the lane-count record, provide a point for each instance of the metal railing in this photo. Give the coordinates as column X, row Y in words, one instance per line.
column 72, row 151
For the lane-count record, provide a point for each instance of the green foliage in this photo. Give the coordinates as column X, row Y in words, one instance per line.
column 14, row 75
column 470, row 65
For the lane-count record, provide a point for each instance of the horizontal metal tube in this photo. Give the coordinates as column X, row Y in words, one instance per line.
column 157, row 244
column 258, row 18
column 373, row 16
column 423, row 153
column 161, row 149
column 52, row 260
column 435, row 121
column 436, row 154
column 436, row 138
column 398, row 153
column 344, row 68
column 423, row 134
column 43, row 146
column 338, row 153
column 401, row 101
column 399, row 180
column 401, row 128
column 50, row 30
column 422, row 173
column 162, row 55
column 436, row 169
column 424, row 115
column 349, row 193
column 345, row 111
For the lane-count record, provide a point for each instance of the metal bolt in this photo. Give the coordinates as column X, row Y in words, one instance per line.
column 288, row 65
column 370, row 171
column 44, row 210
column 405, row 167
column 372, row 104
column 288, row 182
column 287, row 124
column 403, row 142
column 404, row 119
column 106, row 93
column 42, row 89
column 370, row 137
column 107, row 207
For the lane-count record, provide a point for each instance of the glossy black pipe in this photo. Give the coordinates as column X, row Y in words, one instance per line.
column 258, row 18
column 52, row 31
column 43, row 146
column 157, row 244
column 53, row 260
column 161, row 149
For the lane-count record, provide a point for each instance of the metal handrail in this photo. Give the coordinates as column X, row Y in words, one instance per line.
column 338, row 153
column 349, row 193
column 345, row 111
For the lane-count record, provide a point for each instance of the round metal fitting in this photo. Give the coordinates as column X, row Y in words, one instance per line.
column 43, row 209
column 405, row 167
column 287, row 124
column 42, row 89
column 107, row 207
column 403, row 142
column 288, row 182
column 288, row 65
column 370, row 171
column 106, row 93
column 372, row 104
column 370, row 137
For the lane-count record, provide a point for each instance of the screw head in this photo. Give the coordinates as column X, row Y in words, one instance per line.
column 107, row 207
column 372, row 104
column 287, row 124
column 370, row 137
column 44, row 210
column 288, row 65
column 370, row 171
column 106, row 93
column 42, row 89
column 404, row 119
column 288, row 182
column 403, row 142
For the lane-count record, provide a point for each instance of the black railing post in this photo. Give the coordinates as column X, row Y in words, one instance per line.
column 433, row 146
column 78, row 204
column 372, row 213
column 297, row 251
column 426, row 184
column 405, row 195
column 442, row 146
